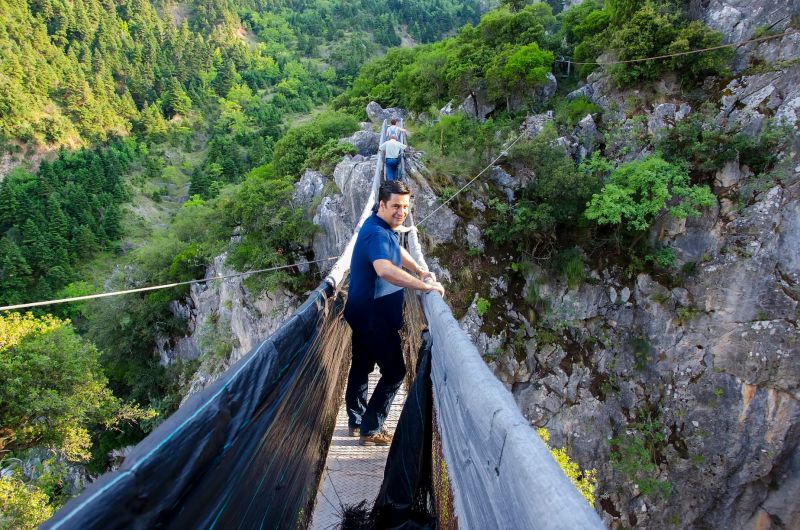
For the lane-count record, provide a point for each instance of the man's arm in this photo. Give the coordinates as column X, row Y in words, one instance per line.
column 397, row 276
column 409, row 263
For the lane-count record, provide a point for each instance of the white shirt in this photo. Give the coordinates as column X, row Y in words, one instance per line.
column 392, row 148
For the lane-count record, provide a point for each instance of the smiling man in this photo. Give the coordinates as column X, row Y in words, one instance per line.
column 374, row 311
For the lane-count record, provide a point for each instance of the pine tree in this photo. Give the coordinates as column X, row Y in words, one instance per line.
column 14, row 272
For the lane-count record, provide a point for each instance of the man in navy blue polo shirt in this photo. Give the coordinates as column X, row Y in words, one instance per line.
column 374, row 311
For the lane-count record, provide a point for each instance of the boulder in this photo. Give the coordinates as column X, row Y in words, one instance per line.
column 748, row 101
column 665, row 115
column 365, row 142
column 476, row 105
column 308, row 188
column 377, row 114
column 587, row 136
column 534, row 124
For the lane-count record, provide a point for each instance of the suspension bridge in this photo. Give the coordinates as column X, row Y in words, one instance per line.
column 249, row 452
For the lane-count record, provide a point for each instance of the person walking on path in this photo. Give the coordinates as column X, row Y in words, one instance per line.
column 374, row 311
column 394, row 129
column 392, row 147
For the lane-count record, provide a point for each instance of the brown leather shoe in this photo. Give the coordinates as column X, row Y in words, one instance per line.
column 379, row 438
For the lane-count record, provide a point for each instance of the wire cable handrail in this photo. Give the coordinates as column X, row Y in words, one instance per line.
column 162, row 286
column 679, row 54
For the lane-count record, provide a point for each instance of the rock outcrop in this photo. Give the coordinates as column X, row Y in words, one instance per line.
column 711, row 364
column 225, row 321
column 377, row 114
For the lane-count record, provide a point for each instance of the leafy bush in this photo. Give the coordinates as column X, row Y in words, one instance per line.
column 557, row 197
column 22, row 506
column 51, row 386
column 635, row 454
column 292, row 151
column 325, row 157
column 482, row 306
column 570, row 263
column 636, row 192
column 569, row 113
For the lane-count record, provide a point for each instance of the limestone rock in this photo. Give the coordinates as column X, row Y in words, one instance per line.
column 476, row 105
column 474, row 237
column 365, row 142
column 665, row 116
column 377, row 114
column 738, row 19
column 308, row 188
column 749, row 100
column 587, row 136
column 533, row 125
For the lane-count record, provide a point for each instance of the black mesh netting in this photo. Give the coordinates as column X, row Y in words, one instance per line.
column 244, row 453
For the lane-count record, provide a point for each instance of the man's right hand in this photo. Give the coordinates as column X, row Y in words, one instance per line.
column 435, row 286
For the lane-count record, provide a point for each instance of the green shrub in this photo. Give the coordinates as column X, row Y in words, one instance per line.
column 482, row 306
column 557, row 197
column 635, row 454
column 570, row 263
column 293, row 150
column 636, row 192
column 325, row 157
column 569, row 113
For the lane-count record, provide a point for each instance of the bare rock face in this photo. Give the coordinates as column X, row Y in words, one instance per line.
column 533, row 125
column 338, row 215
column 477, row 106
column 738, row 20
column 587, row 136
column 225, row 321
column 665, row 115
column 308, row 188
column 441, row 225
column 748, row 101
column 711, row 364
column 365, row 142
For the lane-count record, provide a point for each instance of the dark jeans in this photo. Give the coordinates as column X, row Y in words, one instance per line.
column 369, row 349
column 391, row 168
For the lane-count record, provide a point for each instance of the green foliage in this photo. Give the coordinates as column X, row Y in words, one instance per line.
column 22, row 506
column 293, row 150
column 569, row 113
column 325, row 157
column 636, row 454
column 505, row 51
column 458, row 146
column 571, row 265
column 275, row 232
column 556, row 198
column 698, row 140
column 663, row 257
column 635, row 30
column 51, row 386
column 54, row 220
column 482, row 306
column 638, row 191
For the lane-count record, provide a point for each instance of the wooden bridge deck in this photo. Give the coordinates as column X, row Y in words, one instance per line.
column 352, row 473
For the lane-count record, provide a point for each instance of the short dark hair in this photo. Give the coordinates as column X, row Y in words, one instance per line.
column 392, row 187
column 393, row 121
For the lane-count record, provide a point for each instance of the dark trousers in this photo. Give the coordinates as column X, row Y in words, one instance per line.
column 391, row 168
column 370, row 349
